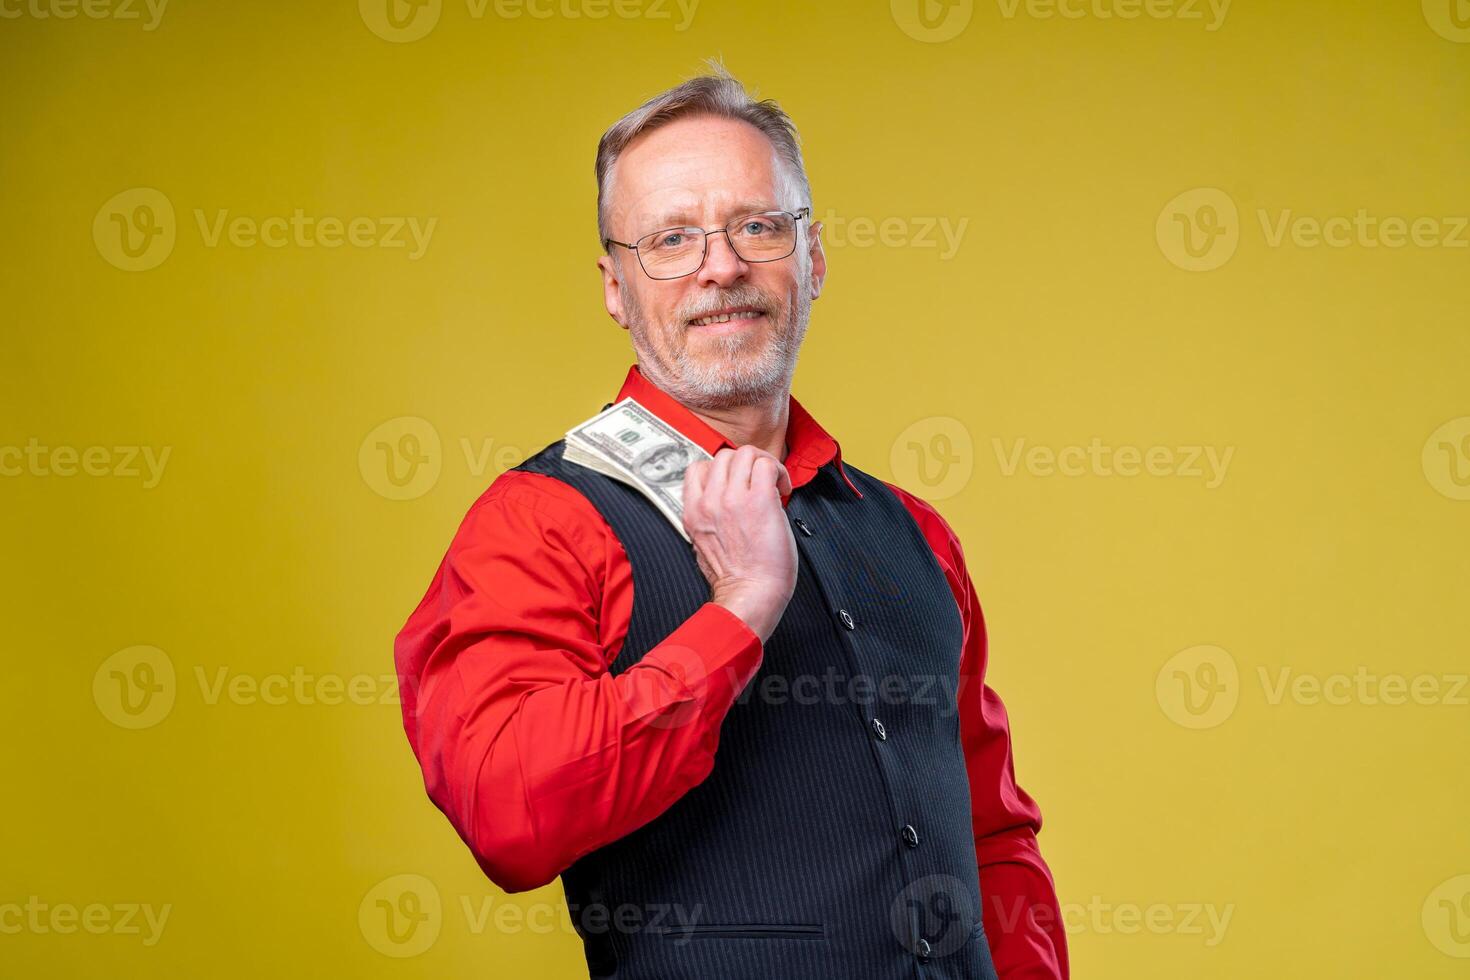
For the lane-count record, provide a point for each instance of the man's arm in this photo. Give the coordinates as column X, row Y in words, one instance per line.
column 1022, row 917
column 535, row 753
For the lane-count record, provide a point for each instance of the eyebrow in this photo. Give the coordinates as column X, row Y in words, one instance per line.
column 683, row 219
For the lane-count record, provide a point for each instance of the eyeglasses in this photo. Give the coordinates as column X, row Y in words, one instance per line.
column 672, row 253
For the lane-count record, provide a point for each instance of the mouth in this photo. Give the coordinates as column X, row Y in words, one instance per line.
column 732, row 318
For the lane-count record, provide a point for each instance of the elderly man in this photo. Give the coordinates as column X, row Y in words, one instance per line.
column 767, row 752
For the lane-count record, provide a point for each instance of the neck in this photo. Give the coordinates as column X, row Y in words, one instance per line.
column 762, row 424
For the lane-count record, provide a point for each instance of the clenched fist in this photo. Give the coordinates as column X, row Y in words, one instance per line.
column 742, row 539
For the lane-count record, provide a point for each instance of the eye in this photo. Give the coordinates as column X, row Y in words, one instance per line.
column 672, row 239
column 756, row 227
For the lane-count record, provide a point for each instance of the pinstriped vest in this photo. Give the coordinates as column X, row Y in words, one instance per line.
column 832, row 839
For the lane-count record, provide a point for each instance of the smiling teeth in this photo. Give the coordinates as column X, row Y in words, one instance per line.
column 705, row 321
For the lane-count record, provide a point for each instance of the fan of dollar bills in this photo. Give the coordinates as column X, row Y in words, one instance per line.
column 629, row 443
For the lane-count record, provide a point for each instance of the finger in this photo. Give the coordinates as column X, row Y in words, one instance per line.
column 740, row 467
column 781, row 478
column 719, row 471
column 776, row 474
column 769, row 472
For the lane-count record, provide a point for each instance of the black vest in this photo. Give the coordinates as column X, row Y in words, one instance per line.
column 833, row 838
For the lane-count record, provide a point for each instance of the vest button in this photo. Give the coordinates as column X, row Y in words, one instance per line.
column 922, row 948
column 801, row 526
column 910, row 835
column 879, row 730
column 846, row 618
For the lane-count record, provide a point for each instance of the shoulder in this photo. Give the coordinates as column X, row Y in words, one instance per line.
column 937, row 531
column 527, row 511
column 948, row 552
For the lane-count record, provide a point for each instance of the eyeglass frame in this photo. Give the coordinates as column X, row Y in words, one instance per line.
column 724, row 229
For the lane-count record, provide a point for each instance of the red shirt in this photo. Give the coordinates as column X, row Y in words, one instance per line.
column 508, row 703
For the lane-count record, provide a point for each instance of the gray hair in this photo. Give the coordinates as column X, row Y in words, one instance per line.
column 715, row 94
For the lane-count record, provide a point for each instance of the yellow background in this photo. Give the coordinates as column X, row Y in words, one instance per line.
column 1333, row 835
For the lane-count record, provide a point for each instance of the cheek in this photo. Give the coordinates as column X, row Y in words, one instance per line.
column 665, row 304
column 781, row 284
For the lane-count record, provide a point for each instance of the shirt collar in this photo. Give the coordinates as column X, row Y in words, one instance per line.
column 810, row 446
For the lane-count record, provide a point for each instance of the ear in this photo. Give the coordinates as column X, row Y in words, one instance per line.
column 612, row 297
column 818, row 258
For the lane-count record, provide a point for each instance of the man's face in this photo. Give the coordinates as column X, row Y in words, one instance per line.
column 703, row 171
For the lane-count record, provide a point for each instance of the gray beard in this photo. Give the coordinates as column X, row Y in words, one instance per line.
column 738, row 375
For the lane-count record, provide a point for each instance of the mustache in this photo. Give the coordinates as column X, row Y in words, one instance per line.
column 724, row 299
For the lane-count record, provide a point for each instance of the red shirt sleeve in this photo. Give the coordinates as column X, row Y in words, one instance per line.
column 535, row 753
column 1022, row 918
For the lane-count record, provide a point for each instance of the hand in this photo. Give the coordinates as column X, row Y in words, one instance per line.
column 742, row 539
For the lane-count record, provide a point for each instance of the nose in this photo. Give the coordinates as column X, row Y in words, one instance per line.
column 722, row 267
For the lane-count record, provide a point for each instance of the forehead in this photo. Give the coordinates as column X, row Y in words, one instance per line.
column 696, row 169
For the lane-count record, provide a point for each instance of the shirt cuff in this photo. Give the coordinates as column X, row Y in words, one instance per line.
column 714, row 653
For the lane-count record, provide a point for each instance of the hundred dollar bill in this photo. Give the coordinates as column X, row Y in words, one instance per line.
column 629, row 443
